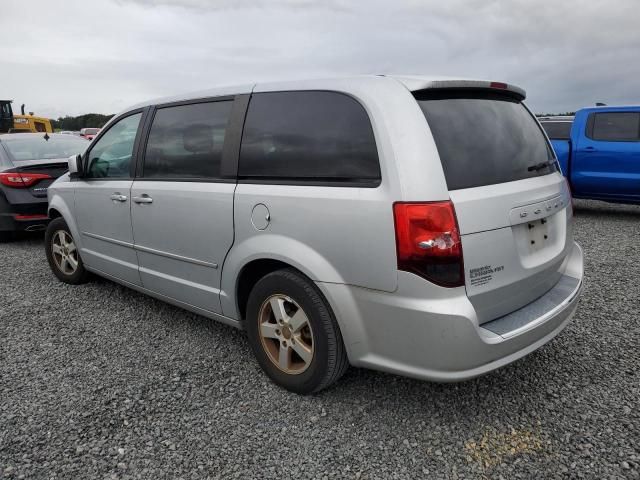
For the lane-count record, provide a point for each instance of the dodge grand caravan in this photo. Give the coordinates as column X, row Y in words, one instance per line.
column 413, row 225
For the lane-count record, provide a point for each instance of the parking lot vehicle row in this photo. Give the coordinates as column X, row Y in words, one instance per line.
column 414, row 225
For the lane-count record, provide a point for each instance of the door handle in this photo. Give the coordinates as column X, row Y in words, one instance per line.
column 144, row 198
column 590, row 149
column 118, row 197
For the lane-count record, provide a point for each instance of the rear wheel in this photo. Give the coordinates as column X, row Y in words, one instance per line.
column 294, row 334
column 63, row 255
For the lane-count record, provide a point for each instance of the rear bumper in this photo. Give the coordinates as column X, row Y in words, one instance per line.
column 23, row 217
column 9, row 223
column 432, row 333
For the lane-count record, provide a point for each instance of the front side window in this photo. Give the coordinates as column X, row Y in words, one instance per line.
column 616, row 126
column 111, row 156
column 186, row 141
column 311, row 136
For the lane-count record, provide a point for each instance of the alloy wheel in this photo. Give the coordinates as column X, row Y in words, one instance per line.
column 65, row 253
column 286, row 334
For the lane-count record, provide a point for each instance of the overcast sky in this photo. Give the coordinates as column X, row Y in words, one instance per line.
column 79, row 56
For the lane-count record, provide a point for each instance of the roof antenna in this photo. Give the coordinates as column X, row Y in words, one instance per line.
column 46, row 136
column 600, row 104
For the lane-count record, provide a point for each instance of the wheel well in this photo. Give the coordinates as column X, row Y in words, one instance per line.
column 53, row 213
column 249, row 276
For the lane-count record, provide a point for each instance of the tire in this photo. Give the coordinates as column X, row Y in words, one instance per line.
column 290, row 291
column 6, row 237
column 64, row 270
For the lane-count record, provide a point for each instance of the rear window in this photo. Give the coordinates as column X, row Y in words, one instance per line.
column 557, row 130
column 308, row 137
column 485, row 138
column 615, row 126
column 43, row 147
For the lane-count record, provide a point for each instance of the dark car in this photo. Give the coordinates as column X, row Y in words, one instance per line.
column 29, row 163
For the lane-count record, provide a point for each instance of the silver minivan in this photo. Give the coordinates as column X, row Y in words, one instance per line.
column 414, row 225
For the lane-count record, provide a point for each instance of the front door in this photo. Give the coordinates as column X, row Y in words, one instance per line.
column 103, row 203
column 182, row 208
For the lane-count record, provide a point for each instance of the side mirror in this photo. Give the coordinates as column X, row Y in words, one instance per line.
column 75, row 166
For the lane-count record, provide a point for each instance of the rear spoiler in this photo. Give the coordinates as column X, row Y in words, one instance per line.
column 35, row 164
column 517, row 92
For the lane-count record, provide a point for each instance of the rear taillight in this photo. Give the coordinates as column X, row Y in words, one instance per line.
column 21, row 180
column 24, row 217
column 428, row 242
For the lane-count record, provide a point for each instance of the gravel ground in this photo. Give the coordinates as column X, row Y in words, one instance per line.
column 98, row 381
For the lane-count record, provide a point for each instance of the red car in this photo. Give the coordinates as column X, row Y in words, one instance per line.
column 89, row 133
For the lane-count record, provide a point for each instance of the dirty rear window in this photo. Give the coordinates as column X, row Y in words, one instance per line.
column 485, row 138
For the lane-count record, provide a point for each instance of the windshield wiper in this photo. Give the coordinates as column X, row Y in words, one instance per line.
column 541, row 165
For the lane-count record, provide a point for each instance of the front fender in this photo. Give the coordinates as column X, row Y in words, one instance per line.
column 272, row 247
column 62, row 201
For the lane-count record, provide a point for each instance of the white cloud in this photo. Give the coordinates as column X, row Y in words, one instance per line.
column 100, row 56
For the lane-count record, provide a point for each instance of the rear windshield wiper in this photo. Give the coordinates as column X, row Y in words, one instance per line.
column 541, row 165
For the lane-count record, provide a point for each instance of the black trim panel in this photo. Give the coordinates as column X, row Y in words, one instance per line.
column 311, row 182
column 186, row 180
column 178, row 103
column 233, row 137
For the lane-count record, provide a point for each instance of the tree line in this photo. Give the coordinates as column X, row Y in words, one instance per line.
column 82, row 121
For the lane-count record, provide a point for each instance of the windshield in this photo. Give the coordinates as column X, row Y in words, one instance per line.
column 36, row 147
column 485, row 138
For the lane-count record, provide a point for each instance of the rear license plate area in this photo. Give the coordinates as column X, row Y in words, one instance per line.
column 538, row 233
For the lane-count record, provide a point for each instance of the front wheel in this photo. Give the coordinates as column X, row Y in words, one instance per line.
column 294, row 334
column 62, row 254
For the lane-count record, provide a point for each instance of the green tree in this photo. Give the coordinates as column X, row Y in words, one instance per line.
column 88, row 120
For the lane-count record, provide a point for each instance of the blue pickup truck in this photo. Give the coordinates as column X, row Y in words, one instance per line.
column 599, row 152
